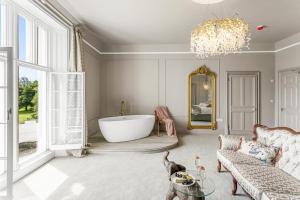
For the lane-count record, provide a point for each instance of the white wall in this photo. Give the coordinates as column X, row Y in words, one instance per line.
column 95, row 88
column 264, row 63
column 145, row 81
column 287, row 59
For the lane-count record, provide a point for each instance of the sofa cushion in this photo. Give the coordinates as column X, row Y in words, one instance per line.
column 277, row 196
column 229, row 157
column 229, row 142
column 290, row 156
column 263, row 135
column 258, row 150
column 256, row 179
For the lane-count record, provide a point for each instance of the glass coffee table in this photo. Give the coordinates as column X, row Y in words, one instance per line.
column 199, row 190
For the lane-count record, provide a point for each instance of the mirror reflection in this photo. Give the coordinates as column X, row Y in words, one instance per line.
column 201, row 100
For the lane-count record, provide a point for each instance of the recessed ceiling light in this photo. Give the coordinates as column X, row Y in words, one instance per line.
column 207, row 1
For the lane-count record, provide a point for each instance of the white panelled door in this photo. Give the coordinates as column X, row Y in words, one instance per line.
column 243, row 101
column 289, row 97
column 6, row 123
column 67, row 110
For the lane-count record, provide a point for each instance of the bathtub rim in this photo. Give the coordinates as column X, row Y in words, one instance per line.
column 109, row 119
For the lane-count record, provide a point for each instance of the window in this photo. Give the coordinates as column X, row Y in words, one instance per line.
column 2, row 115
column 3, row 95
column 37, row 48
column 32, row 80
column 67, row 110
column 42, row 45
column 24, row 39
column 32, row 103
column 2, row 25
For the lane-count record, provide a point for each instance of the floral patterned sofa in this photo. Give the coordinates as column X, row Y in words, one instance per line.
column 264, row 181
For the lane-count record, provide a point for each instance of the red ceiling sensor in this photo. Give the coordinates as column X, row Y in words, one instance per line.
column 261, row 27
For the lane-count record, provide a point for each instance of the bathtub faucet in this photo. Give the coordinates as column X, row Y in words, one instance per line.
column 123, row 108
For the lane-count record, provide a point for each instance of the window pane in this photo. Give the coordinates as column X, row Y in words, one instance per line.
column 3, row 33
column 3, row 140
column 2, row 72
column 24, row 38
column 42, row 46
column 31, row 105
column 3, row 115
column 67, row 109
column 2, row 171
column 1, row 18
column 3, row 89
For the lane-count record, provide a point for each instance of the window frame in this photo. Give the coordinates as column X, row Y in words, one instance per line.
column 30, row 62
column 11, row 37
column 58, row 31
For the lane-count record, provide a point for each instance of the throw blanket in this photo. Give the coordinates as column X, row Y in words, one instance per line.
column 162, row 114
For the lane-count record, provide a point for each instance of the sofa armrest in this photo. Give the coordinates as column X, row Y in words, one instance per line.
column 229, row 142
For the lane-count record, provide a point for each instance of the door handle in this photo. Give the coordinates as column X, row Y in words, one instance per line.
column 9, row 111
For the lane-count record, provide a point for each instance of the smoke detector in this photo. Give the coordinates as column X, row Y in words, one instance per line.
column 261, row 27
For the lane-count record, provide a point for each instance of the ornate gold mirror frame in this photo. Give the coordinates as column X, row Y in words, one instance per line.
column 204, row 71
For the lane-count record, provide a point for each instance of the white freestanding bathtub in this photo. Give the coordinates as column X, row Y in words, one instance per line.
column 126, row 128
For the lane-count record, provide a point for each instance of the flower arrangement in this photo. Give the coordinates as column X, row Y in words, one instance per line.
column 197, row 164
column 200, row 169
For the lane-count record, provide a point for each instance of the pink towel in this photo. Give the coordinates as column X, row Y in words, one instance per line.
column 162, row 114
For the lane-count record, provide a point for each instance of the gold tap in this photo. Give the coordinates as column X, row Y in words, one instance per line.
column 123, row 108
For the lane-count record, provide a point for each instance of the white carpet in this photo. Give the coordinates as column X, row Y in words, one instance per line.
column 120, row 176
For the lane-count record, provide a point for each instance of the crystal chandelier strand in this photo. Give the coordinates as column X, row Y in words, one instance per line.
column 220, row 36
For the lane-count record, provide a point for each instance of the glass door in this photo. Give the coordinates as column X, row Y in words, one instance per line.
column 67, row 110
column 6, row 122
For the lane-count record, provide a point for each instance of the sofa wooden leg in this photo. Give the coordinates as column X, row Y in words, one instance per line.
column 234, row 186
column 219, row 166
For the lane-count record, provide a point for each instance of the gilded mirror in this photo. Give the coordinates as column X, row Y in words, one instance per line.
column 202, row 99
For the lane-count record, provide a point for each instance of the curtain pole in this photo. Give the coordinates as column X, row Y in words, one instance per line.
column 55, row 11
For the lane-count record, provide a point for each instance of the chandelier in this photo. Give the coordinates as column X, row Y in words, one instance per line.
column 220, row 37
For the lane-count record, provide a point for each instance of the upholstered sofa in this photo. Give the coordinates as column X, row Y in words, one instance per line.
column 278, row 180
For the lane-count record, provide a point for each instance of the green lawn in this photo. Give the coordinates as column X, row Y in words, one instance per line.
column 25, row 115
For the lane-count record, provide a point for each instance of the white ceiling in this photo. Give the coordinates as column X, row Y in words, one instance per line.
column 171, row 21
